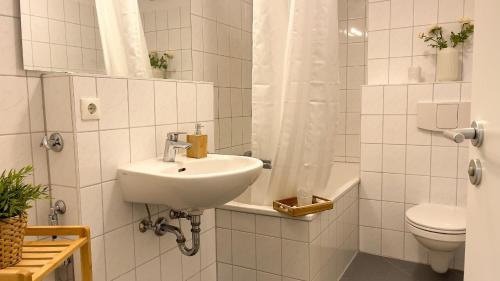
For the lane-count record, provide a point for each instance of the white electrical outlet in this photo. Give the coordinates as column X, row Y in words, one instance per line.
column 90, row 108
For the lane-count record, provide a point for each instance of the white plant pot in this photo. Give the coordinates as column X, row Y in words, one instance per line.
column 158, row 73
column 448, row 65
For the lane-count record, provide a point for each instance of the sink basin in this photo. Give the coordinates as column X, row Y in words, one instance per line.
column 188, row 184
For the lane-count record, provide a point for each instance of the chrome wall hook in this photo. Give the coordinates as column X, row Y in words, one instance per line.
column 54, row 142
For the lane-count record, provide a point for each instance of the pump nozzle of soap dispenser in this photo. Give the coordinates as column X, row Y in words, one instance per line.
column 198, row 129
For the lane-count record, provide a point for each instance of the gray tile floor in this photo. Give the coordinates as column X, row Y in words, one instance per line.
column 367, row 267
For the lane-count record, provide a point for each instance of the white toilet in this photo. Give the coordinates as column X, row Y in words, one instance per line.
column 440, row 229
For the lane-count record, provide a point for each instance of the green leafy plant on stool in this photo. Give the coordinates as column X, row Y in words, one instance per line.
column 16, row 196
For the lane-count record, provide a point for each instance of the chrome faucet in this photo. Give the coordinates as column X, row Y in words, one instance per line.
column 172, row 144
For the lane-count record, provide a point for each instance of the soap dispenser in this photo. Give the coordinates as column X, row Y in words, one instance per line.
column 198, row 143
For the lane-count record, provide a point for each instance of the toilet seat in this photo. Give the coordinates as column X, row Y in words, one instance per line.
column 438, row 218
column 437, row 236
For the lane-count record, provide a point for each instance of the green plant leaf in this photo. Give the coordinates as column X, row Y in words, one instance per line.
column 16, row 196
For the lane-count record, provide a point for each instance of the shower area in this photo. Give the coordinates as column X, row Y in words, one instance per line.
column 306, row 122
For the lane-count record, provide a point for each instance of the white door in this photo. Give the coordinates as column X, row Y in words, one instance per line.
column 482, row 253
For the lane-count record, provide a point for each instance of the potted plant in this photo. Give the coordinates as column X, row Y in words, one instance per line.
column 448, row 63
column 159, row 64
column 15, row 198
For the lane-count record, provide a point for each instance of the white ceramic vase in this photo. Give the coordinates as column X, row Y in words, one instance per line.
column 158, row 73
column 448, row 65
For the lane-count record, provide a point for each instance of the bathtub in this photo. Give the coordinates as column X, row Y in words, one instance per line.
column 255, row 240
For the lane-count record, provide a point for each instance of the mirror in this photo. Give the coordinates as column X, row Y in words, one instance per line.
column 63, row 35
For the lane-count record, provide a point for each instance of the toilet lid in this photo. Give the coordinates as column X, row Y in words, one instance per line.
column 438, row 217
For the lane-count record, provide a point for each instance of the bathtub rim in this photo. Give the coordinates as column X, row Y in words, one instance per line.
column 269, row 211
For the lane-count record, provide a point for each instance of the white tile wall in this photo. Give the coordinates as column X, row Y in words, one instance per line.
column 21, row 109
column 136, row 116
column 222, row 44
column 402, row 165
column 282, row 248
column 167, row 28
column 393, row 27
column 352, row 52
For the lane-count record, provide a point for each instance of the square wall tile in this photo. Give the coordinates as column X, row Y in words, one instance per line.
column 370, row 213
column 268, row 253
column 425, row 12
column 370, row 185
column 141, row 103
column 394, row 129
column 379, row 15
column 186, row 99
column 63, row 164
column 89, row 166
column 443, row 191
column 418, row 159
column 114, row 103
column 117, row 212
column 401, row 13
column 14, row 107
column 295, row 259
column 378, row 44
column 371, row 128
column 115, row 151
column 224, row 245
column 370, row 240
column 444, row 161
column 417, row 189
column 392, row 243
column 57, row 102
column 142, row 143
column 371, row 157
column 267, row 225
column 243, row 221
column 394, row 158
column 119, row 259
column 393, row 215
column 204, row 102
column 372, row 100
column 243, row 249
column 165, row 102
column 393, row 187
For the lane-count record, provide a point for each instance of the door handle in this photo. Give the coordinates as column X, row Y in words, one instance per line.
column 475, row 134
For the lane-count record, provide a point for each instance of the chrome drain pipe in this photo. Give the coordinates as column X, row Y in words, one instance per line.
column 161, row 227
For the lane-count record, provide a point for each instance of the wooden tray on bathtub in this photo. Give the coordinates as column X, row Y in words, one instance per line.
column 289, row 206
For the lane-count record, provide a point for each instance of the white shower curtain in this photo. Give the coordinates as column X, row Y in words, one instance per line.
column 295, row 92
column 122, row 37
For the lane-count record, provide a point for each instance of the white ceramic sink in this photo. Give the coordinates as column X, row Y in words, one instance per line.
column 188, row 184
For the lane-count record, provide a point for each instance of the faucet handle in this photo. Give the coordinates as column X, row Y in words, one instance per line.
column 174, row 136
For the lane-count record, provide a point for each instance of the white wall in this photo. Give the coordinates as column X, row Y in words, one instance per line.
column 352, row 52
column 402, row 165
column 21, row 108
column 222, row 54
column 136, row 116
column 393, row 45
